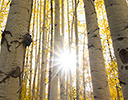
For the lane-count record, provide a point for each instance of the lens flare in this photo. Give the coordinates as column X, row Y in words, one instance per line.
column 68, row 61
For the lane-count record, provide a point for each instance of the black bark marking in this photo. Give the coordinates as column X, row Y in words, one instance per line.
column 100, row 49
column 118, row 49
column 93, row 13
column 121, row 67
column 4, row 39
column 94, row 36
column 121, row 82
column 95, row 96
column 55, row 24
column 126, row 67
column 112, row 4
column 19, row 90
column 88, row 33
column 2, row 96
column 4, row 79
column 123, row 54
column 120, row 38
column 14, row 74
column 89, row 46
column 96, row 29
column 94, row 71
column 125, row 28
column 1, row 72
column 16, row 12
column 27, row 39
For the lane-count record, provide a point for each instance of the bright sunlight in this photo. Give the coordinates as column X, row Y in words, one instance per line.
column 68, row 61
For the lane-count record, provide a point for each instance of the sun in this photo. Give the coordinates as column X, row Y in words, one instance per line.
column 68, row 61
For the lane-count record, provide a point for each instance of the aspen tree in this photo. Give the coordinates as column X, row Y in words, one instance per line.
column 67, row 85
column 31, row 56
column 36, row 55
column 13, row 50
column 39, row 53
column 77, row 54
column 57, row 43
column 98, row 71
column 84, row 83
column 43, row 55
column 51, row 52
column 62, row 72
column 117, row 13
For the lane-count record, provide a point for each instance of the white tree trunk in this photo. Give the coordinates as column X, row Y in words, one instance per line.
column 57, row 41
column 67, row 86
column 51, row 52
column 43, row 55
column 12, row 58
column 117, row 13
column 98, row 72
column 62, row 73
column 77, row 55
column 84, row 83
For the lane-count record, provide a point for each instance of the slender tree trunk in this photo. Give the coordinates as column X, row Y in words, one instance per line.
column 25, row 74
column 62, row 72
column 77, row 55
column 84, row 83
column 72, row 23
column 67, row 86
column 45, row 68
column 71, row 41
column 39, row 53
column 51, row 52
column 43, row 55
column 57, row 41
column 98, row 71
column 62, row 84
column 31, row 56
column 36, row 55
column 30, row 12
column 118, row 22
column 12, row 55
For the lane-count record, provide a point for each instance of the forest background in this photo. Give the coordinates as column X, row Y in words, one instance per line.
column 57, row 64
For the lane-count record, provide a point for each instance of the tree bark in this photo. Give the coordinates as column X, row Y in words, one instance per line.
column 84, row 83
column 12, row 57
column 117, row 13
column 77, row 55
column 43, row 55
column 51, row 52
column 36, row 54
column 98, row 71
column 57, row 43
column 62, row 72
